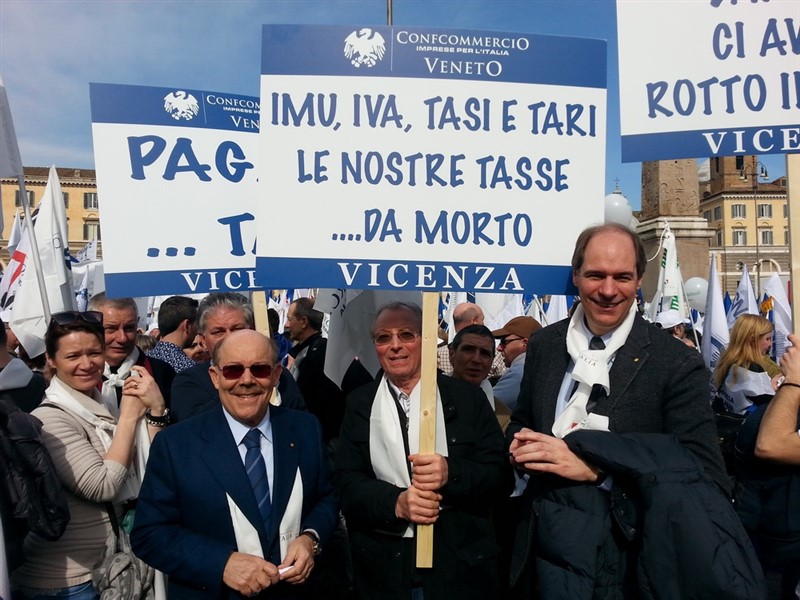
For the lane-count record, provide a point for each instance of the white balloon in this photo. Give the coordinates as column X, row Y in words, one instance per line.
column 696, row 292
column 618, row 209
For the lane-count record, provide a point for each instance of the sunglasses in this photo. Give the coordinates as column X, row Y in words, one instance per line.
column 505, row 341
column 68, row 317
column 385, row 338
column 258, row 370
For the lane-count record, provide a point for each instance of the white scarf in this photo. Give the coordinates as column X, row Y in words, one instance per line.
column 111, row 381
column 246, row 534
column 736, row 395
column 386, row 448
column 91, row 410
column 591, row 368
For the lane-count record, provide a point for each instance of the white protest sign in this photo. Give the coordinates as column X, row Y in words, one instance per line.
column 428, row 159
column 176, row 188
column 708, row 78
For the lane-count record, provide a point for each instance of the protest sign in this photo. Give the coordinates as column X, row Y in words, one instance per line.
column 428, row 159
column 177, row 187
column 708, row 78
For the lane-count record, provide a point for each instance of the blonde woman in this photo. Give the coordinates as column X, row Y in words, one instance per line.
column 745, row 375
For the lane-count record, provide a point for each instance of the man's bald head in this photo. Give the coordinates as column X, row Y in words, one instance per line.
column 467, row 313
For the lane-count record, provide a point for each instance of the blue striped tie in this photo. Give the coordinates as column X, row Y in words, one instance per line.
column 257, row 473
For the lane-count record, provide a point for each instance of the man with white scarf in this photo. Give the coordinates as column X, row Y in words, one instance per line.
column 237, row 500
column 387, row 487
column 120, row 323
column 606, row 369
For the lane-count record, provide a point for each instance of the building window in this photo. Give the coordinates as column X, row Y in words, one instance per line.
column 718, row 213
column 738, row 211
column 707, row 215
column 66, row 199
column 90, row 200
column 739, row 163
column 786, row 211
column 785, row 236
column 716, row 164
column 766, row 237
column 18, row 198
column 739, row 237
column 719, row 237
column 765, row 211
column 91, row 230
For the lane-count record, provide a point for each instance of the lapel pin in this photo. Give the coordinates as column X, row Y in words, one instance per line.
column 636, row 359
column 291, row 444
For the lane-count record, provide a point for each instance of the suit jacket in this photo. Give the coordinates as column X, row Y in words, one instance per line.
column 658, row 385
column 183, row 525
column 193, row 392
column 464, row 546
column 323, row 397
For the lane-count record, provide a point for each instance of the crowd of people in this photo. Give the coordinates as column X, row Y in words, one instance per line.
column 577, row 460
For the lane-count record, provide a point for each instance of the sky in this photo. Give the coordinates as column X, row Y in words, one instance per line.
column 50, row 50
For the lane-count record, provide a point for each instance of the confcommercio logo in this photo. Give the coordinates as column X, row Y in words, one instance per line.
column 181, row 105
column 364, row 48
column 463, row 43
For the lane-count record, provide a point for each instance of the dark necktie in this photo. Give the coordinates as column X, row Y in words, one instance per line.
column 257, row 472
column 596, row 343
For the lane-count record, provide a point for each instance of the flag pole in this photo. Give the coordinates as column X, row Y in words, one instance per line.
column 37, row 262
column 427, row 425
column 11, row 165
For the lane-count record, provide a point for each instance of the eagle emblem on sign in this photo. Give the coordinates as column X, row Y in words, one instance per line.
column 181, row 105
column 364, row 47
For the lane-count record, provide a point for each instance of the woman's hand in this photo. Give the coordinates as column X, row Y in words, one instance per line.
column 145, row 389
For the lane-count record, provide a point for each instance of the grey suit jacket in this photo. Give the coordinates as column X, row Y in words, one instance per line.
column 658, row 385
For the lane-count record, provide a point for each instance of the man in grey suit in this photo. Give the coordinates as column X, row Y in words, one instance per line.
column 607, row 369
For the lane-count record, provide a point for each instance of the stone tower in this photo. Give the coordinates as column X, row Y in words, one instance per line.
column 670, row 194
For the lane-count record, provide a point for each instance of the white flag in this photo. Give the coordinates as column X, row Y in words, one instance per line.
column 27, row 318
column 12, row 276
column 88, row 280
column 351, row 315
column 535, row 311
column 781, row 313
column 715, row 327
column 10, row 161
column 498, row 309
column 453, row 300
column 15, row 236
column 87, row 254
column 744, row 302
column 556, row 310
column 669, row 292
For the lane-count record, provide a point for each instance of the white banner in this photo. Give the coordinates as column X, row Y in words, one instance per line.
column 708, row 78
column 428, row 159
column 177, row 189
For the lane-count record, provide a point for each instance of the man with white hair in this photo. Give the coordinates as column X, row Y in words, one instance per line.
column 120, row 325
column 387, row 487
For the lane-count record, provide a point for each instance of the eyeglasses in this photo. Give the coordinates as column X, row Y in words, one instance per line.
column 258, row 370
column 506, row 340
column 68, row 317
column 405, row 336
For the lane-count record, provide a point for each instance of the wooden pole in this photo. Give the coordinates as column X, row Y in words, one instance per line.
column 793, row 204
column 427, row 409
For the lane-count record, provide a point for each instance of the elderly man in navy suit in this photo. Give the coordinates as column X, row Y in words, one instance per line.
column 236, row 502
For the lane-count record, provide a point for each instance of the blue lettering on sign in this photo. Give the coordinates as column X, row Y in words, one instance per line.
column 145, row 150
column 681, row 97
column 476, row 228
column 280, row 272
